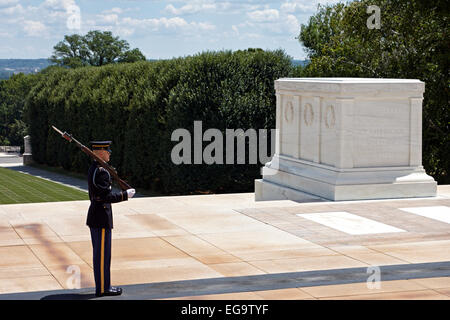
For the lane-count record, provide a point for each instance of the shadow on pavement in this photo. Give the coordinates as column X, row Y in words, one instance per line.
column 70, row 296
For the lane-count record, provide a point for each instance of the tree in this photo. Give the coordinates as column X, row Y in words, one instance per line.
column 72, row 52
column 412, row 43
column 132, row 56
column 96, row 48
column 13, row 94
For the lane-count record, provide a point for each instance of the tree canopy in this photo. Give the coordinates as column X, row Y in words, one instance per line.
column 13, row 94
column 412, row 42
column 96, row 48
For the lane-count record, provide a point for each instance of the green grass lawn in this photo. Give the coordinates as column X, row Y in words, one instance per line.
column 17, row 187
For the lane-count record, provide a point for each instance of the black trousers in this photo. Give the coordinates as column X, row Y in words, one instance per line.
column 101, row 245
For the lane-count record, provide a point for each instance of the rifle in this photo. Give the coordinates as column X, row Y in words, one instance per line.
column 123, row 185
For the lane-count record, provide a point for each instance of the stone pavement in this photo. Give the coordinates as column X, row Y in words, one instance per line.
column 231, row 247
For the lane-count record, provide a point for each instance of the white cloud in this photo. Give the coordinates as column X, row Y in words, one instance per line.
column 271, row 22
column 155, row 23
column 292, row 24
column 195, row 6
column 128, row 26
column 108, row 18
column 114, row 10
column 204, row 26
column 17, row 9
column 302, row 6
column 171, row 9
column 166, row 23
column 235, row 29
column 7, row 3
column 292, row 7
column 55, row 12
column 59, row 4
column 267, row 15
column 6, row 34
column 34, row 28
column 123, row 32
column 50, row 19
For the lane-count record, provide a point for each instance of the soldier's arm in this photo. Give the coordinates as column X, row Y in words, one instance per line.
column 105, row 193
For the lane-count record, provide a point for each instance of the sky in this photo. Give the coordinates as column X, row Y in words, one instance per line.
column 161, row 29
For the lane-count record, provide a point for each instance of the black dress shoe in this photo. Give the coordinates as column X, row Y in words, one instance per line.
column 113, row 291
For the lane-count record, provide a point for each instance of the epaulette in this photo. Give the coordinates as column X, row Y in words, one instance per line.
column 101, row 169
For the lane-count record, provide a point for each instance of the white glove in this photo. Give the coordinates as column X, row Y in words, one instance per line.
column 131, row 193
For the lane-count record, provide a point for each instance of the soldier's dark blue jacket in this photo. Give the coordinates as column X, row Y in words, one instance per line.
column 101, row 196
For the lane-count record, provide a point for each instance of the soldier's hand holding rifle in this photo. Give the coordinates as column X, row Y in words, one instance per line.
column 131, row 193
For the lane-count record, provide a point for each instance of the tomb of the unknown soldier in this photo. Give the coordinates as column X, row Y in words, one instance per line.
column 347, row 139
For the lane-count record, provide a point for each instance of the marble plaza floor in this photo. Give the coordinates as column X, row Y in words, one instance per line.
column 231, row 247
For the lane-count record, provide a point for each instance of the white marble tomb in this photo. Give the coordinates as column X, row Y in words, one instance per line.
column 347, row 139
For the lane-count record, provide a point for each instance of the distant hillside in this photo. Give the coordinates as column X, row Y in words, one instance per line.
column 9, row 67
column 300, row 62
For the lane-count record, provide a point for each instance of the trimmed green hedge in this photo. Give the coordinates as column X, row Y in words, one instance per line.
column 139, row 105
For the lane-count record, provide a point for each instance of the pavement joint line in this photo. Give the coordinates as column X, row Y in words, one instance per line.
column 209, row 286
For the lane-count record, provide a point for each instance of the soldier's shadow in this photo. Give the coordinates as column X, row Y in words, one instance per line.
column 70, row 296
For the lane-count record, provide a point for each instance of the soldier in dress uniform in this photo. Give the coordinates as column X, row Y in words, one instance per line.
column 100, row 219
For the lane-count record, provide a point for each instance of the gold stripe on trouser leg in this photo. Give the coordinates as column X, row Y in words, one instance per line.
column 102, row 263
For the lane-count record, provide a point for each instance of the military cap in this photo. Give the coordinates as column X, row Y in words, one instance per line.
column 101, row 145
